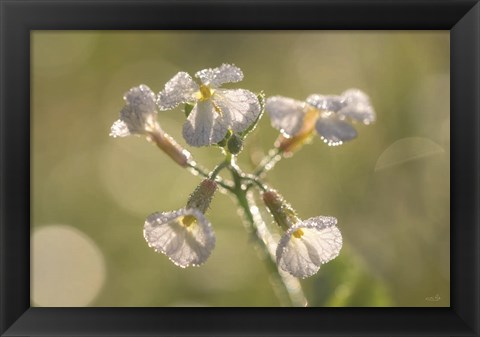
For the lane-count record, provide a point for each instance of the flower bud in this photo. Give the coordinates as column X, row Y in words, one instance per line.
column 235, row 144
column 283, row 213
column 202, row 196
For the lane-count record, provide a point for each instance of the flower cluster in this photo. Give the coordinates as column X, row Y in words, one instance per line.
column 223, row 118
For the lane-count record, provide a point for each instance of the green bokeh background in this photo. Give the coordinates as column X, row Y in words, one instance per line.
column 389, row 188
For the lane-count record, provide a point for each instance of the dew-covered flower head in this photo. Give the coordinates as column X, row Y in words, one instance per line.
column 215, row 110
column 332, row 126
column 305, row 245
column 308, row 244
column 327, row 114
column 138, row 116
column 185, row 236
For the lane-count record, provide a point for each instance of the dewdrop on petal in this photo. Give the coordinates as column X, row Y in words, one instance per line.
column 215, row 110
column 295, row 120
column 138, row 116
column 331, row 125
column 305, row 245
column 185, row 236
column 327, row 114
column 308, row 244
column 286, row 114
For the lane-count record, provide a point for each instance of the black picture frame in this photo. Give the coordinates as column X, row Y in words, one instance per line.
column 19, row 17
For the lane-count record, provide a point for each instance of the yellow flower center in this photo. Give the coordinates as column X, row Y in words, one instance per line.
column 205, row 92
column 298, row 233
column 188, row 220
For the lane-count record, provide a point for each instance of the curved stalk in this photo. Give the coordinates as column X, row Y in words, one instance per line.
column 287, row 288
column 195, row 169
column 268, row 163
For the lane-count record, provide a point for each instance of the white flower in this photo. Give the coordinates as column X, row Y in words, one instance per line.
column 329, row 114
column 138, row 116
column 331, row 125
column 286, row 114
column 215, row 110
column 308, row 244
column 185, row 236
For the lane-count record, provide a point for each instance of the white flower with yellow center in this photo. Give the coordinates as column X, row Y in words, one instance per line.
column 138, row 116
column 326, row 114
column 308, row 244
column 215, row 110
column 185, row 236
column 305, row 245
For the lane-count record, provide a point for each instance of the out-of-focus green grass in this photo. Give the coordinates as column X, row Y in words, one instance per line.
column 389, row 188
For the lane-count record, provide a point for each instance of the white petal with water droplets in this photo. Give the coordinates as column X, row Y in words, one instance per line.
column 184, row 245
column 204, row 125
column 320, row 242
column 335, row 132
column 142, row 98
column 326, row 103
column 286, row 114
column 180, row 89
column 138, row 114
column 119, row 129
column 226, row 73
column 239, row 107
column 358, row 106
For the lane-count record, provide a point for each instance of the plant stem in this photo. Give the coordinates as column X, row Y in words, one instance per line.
column 286, row 287
column 195, row 169
column 273, row 157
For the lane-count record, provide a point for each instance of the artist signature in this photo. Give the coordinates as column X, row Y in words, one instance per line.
column 435, row 298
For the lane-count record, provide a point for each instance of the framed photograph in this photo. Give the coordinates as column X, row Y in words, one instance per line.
column 254, row 168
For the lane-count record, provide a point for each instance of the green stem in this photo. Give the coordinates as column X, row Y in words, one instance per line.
column 195, row 169
column 287, row 288
column 218, row 168
column 255, row 180
column 268, row 163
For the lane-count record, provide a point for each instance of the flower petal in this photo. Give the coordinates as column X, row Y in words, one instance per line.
column 286, row 114
column 204, row 126
column 184, row 245
column 226, row 73
column 358, row 106
column 326, row 103
column 180, row 89
column 138, row 114
column 334, row 131
column 240, row 107
column 119, row 129
column 302, row 254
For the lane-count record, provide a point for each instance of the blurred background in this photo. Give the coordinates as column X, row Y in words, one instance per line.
column 389, row 188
